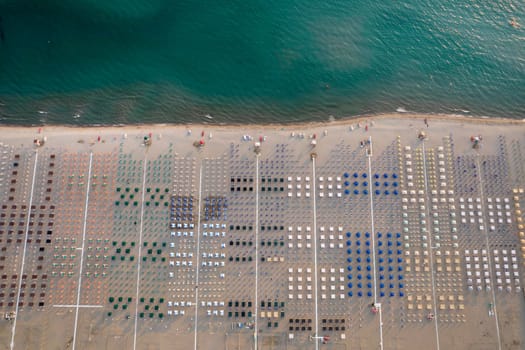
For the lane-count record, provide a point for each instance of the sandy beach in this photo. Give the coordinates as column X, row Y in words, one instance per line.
column 397, row 231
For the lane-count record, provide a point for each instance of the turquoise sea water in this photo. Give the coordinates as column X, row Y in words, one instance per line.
column 140, row 61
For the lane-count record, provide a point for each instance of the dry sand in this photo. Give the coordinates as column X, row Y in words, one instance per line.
column 174, row 163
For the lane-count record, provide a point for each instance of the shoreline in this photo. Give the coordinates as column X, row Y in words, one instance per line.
column 343, row 121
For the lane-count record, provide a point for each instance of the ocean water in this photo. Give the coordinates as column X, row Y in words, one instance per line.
column 138, row 61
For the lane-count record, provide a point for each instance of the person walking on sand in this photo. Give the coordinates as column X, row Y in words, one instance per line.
column 426, row 122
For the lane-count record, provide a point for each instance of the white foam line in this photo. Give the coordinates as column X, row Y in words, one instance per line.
column 430, row 245
column 140, row 251
column 315, row 256
column 77, row 306
column 198, row 261
column 13, row 331
column 255, row 334
column 79, row 286
column 370, row 190
column 481, row 194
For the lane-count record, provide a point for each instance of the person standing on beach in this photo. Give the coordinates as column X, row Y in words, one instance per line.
column 426, row 122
